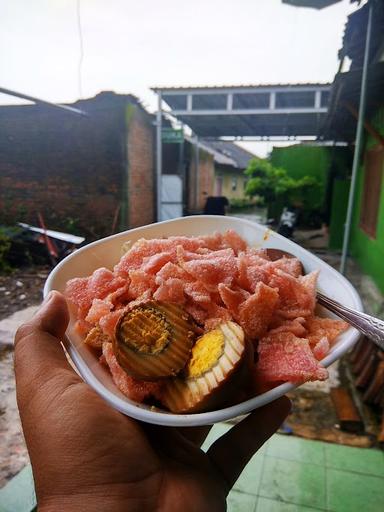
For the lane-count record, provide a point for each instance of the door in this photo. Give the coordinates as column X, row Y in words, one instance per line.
column 219, row 185
column 171, row 197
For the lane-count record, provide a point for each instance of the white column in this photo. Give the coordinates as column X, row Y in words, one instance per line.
column 229, row 101
column 272, row 100
column 159, row 161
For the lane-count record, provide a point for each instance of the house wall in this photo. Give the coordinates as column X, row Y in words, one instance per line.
column 338, row 213
column 303, row 160
column 76, row 171
column 228, row 178
column 369, row 252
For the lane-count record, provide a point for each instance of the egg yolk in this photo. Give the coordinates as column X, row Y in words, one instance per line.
column 205, row 353
column 145, row 330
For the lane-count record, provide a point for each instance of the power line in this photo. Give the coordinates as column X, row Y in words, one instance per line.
column 81, row 46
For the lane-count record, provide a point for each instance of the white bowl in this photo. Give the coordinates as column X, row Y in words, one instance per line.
column 107, row 252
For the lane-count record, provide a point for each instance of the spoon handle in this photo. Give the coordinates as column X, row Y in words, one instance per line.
column 371, row 327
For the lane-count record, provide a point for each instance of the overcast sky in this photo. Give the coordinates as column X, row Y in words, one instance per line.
column 129, row 46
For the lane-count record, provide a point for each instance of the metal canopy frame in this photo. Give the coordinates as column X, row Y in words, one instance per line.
column 243, row 112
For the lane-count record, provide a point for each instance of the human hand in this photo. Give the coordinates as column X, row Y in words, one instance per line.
column 88, row 457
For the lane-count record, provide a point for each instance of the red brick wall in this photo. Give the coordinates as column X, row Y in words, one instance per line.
column 74, row 170
column 141, row 170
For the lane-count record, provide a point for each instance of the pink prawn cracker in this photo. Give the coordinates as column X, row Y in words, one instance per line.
column 215, row 278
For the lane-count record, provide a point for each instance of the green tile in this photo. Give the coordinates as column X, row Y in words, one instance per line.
column 294, row 448
column 360, row 460
column 267, row 505
column 352, row 492
column 241, row 502
column 294, row 482
column 249, row 480
column 19, row 493
column 216, row 431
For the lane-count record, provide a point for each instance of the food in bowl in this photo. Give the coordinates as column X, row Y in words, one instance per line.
column 195, row 323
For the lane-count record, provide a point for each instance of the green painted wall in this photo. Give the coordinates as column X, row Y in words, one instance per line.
column 304, row 160
column 367, row 251
column 338, row 212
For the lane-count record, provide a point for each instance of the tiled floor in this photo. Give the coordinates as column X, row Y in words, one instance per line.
column 290, row 474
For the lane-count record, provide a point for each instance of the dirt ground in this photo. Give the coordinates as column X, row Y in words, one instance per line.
column 21, row 288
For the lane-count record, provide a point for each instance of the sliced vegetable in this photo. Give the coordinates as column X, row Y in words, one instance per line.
column 216, row 360
column 154, row 340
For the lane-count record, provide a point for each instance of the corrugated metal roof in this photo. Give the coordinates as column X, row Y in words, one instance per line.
column 217, row 155
column 240, row 156
column 355, row 33
column 339, row 124
column 241, row 86
column 225, row 152
column 262, row 125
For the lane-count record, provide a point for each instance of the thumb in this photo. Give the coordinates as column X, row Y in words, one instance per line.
column 52, row 317
column 39, row 355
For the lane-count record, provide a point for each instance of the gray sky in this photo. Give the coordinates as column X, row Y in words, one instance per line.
column 130, row 46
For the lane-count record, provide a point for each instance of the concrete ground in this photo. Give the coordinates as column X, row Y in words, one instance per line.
column 13, row 452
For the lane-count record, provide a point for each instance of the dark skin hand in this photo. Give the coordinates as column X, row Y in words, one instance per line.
column 88, row 457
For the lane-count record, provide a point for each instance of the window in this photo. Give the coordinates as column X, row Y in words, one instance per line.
column 373, row 171
column 234, row 184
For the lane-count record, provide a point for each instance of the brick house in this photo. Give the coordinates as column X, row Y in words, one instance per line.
column 221, row 171
column 88, row 175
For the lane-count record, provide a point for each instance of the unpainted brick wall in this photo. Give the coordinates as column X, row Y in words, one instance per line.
column 206, row 179
column 72, row 169
column 141, row 169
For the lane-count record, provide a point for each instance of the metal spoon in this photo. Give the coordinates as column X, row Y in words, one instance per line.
column 371, row 327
